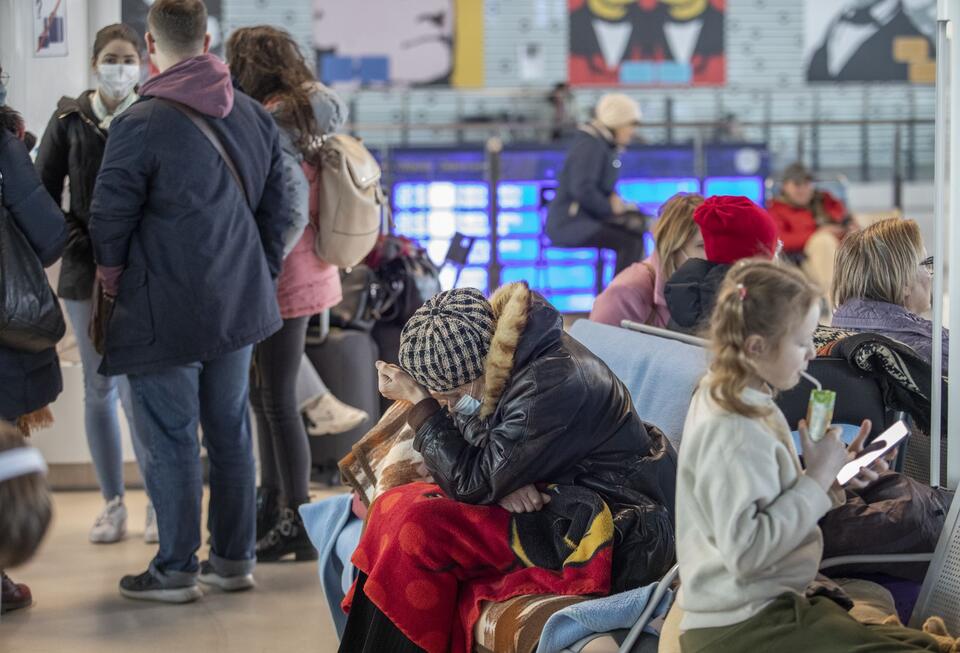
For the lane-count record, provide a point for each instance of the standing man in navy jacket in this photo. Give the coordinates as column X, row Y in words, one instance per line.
column 191, row 260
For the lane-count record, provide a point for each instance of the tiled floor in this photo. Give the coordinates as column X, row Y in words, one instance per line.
column 78, row 609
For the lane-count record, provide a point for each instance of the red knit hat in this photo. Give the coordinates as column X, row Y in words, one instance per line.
column 735, row 228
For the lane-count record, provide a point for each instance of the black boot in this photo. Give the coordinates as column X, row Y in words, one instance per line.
column 268, row 510
column 288, row 536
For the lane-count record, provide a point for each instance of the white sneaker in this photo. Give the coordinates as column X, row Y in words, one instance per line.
column 111, row 525
column 327, row 415
column 150, row 533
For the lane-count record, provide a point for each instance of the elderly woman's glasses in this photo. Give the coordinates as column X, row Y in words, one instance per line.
column 927, row 265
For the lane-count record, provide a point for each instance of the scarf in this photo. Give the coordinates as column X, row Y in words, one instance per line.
column 101, row 112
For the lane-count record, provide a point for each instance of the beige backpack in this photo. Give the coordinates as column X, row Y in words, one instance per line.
column 346, row 201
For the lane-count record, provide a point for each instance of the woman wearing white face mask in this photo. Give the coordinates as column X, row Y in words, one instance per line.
column 72, row 147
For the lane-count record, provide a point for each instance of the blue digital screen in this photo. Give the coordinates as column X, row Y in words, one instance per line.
column 749, row 187
column 515, row 195
column 527, row 223
column 656, row 191
column 573, row 303
column 433, row 207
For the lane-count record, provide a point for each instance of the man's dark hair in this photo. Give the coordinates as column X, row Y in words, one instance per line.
column 178, row 25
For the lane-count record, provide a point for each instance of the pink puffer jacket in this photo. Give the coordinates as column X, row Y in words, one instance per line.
column 307, row 285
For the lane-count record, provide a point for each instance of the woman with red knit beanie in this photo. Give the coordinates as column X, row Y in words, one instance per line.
column 733, row 228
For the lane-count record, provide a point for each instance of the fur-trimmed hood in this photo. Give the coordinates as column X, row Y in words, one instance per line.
column 526, row 325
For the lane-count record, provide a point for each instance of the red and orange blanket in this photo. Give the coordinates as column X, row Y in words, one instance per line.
column 431, row 561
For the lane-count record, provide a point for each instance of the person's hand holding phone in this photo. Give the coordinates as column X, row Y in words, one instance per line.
column 886, row 443
column 820, row 459
column 873, row 471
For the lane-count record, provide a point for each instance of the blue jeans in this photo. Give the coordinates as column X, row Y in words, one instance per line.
column 100, row 407
column 169, row 405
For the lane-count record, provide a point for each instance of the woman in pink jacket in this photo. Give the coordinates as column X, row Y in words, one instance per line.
column 636, row 294
column 268, row 66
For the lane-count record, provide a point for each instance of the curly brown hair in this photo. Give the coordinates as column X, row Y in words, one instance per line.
column 762, row 298
column 269, row 67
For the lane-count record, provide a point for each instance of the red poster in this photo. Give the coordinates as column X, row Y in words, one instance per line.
column 647, row 42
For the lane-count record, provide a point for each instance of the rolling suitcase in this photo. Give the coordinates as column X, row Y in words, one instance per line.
column 345, row 360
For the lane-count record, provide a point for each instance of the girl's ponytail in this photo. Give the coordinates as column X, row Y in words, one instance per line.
column 762, row 298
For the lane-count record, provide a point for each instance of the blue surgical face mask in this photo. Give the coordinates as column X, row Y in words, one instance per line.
column 467, row 406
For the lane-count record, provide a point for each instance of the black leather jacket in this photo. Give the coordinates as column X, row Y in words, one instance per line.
column 564, row 418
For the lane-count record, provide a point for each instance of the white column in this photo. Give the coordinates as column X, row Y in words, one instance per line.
column 100, row 13
column 939, row 241
column 953, row 428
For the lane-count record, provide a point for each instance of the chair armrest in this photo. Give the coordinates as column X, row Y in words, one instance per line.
column 664, row 333
column 840, row 561
column 634, row 634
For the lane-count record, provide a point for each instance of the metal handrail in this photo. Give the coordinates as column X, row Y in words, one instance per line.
column 692, row 124
column 665, row 333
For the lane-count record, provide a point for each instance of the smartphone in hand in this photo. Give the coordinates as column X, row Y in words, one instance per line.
column 879, row 447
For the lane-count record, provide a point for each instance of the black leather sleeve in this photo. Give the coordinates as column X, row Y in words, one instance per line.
column 526, row 441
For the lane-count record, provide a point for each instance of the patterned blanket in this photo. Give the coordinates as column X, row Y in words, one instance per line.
column 384, row 458
column 431, row 562
column 903, row 375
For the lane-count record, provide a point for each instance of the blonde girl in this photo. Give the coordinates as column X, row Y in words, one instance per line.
column 747, row 538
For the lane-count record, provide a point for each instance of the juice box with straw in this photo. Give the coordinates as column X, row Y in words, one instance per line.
column 819, row 410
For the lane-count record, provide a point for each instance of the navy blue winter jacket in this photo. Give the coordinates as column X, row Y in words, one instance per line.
column 589, row 176
column 199, row 266
column 29, row 381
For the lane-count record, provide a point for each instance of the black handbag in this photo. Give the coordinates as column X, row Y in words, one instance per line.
column 410, row 279
column 396, row 280
column 31, row 319
column 362, row 299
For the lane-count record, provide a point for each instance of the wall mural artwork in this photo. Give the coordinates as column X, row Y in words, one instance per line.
column 49, row 28
column 647, row 42
column 415, row 43
column 870, row 40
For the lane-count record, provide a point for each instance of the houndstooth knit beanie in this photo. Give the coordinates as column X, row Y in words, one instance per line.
column 445, row 343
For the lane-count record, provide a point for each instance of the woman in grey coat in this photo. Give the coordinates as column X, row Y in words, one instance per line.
column 882, row 285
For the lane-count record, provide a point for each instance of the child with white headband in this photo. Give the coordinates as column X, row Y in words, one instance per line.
column 25, row 506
